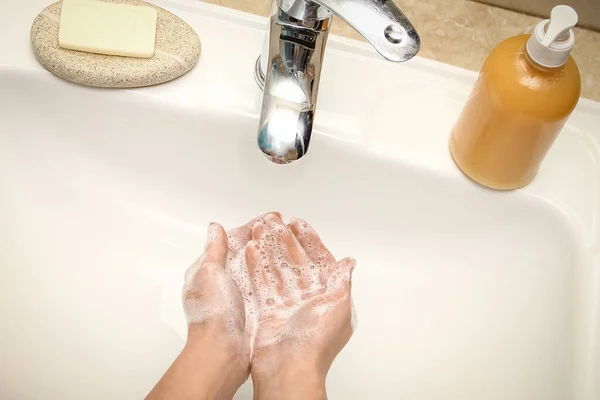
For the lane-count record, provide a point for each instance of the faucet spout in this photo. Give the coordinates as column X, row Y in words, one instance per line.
column 291, row 73
column 291, row 85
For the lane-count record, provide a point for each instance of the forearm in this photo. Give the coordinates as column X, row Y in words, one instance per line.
column 290, row 383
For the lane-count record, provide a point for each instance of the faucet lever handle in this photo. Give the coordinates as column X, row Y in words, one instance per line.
column 381, row 22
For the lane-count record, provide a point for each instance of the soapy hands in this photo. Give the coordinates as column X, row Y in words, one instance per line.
column 267, row 298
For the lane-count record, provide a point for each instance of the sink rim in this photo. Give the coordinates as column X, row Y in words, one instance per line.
column 545, row 189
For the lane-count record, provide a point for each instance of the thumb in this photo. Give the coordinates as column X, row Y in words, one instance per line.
column 341, row 277
column 215, row 249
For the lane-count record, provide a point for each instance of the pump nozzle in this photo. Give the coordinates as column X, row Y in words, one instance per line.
column 552, row 39
column 562, row 18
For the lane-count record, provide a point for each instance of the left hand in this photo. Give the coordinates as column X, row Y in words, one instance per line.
column 214, row 306
column 215, row 361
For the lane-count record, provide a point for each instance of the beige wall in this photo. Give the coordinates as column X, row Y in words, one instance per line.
column 588, row 10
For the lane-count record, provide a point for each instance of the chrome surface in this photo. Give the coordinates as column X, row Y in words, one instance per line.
column 259, row 75
column 297, row 37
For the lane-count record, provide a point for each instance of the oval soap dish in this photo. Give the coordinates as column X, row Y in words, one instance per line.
column 176, row 51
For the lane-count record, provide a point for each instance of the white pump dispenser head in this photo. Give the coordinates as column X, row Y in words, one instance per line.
column 552, row 39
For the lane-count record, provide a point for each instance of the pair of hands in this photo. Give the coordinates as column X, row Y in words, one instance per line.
column 267, row 299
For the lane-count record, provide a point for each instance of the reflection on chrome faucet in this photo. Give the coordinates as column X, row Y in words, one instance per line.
column 290, row 76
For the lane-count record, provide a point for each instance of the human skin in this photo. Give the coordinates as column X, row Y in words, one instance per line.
column 215, row 360
column 301, row 304
column 306, row 309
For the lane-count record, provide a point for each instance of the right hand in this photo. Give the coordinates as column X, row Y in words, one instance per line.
column 303, row 296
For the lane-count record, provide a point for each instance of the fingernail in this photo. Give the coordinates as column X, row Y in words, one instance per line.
column 352, row 264
column 212, row 233
column 273, row 217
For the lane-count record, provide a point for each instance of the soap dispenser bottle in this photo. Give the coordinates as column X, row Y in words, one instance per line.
column 527, row 88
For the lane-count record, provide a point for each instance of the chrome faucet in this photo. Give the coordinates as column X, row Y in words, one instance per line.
column 289, row 69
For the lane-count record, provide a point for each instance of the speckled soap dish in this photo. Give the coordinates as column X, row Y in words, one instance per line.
column 177, row 50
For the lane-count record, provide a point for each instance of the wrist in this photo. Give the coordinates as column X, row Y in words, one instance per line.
column 206, row 368
column 220, row 365
column 288, row 380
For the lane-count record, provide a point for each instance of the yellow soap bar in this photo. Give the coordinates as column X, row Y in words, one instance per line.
column 107, row 28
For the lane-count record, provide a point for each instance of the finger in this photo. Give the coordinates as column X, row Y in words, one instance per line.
column 265, row 276
column 311, row 242
column 240, row 236
column 267, row 233
column 215, row 249
column 301, row 267
column 272, row 263
column 253, row 259
column 341, row 276
column 269, row 227
column 256, row 261
column 277, row 279
column 258, row 231
column 262, row 218
column 257, row 225
column 288, row 254
column 292, row 249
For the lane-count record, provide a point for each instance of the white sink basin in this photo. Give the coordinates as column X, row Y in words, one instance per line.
column 462, row 292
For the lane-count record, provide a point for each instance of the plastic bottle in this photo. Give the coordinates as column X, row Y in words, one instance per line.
column 527, row 88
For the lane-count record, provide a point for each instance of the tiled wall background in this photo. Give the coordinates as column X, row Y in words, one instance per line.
column 588, row 10
column 463, row 32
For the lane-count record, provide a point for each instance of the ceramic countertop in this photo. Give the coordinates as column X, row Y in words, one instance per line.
column 463, row 33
